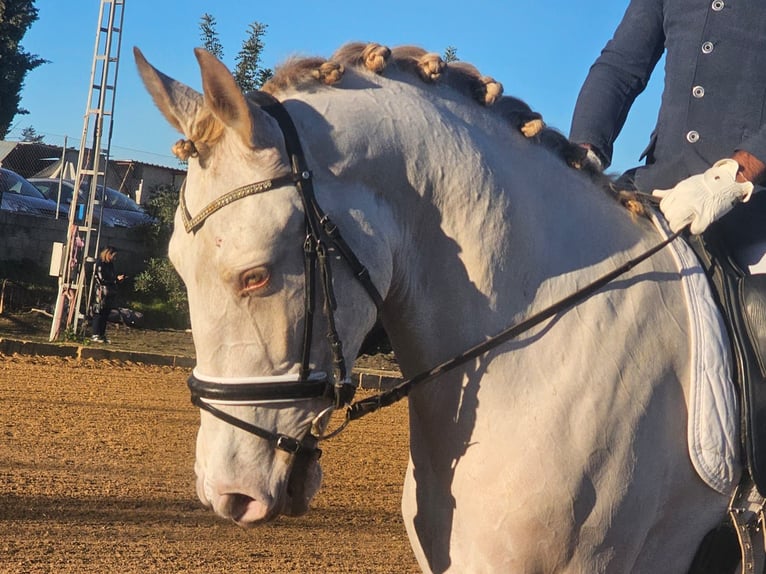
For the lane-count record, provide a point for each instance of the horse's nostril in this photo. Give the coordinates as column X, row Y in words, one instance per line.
column 234, row 505
column 242, row 509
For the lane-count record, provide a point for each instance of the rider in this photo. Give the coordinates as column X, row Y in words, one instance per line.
column 708, row 147
column 707, row 154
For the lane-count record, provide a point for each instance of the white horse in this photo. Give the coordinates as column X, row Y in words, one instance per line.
column 561, row 451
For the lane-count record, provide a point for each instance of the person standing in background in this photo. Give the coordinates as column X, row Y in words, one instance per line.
column 107, row 281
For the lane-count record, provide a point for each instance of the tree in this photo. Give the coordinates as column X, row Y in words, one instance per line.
column 249, row 74
column 209, row 36
column 450, row 54
column 16, row 16
column 29, row 134
column 263, row 76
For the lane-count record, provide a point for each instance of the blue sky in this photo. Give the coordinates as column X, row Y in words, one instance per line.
column 539, row 50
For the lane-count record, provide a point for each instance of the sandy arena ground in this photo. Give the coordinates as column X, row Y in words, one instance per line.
column 96, row 475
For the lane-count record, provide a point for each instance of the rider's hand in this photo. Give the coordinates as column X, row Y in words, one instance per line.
column 592, row 161
column 701, row 199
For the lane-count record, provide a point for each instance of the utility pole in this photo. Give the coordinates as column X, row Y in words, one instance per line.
column 82, row 242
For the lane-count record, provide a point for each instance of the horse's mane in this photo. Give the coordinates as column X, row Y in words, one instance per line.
column 312, row 73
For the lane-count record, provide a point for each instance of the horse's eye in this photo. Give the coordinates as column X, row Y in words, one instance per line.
column 253, row 280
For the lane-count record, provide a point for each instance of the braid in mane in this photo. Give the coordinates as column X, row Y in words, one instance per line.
column 467, row 78
column 413, row 59
column 372, row 56
column 304, row 73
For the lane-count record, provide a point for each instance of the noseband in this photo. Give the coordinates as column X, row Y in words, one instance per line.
column 322, row 242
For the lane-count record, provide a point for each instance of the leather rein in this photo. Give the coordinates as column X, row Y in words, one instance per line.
column 323, row 238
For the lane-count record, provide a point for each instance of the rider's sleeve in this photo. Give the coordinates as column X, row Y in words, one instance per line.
column 618, row 76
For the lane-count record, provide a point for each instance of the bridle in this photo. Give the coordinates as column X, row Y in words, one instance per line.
column 323, row 240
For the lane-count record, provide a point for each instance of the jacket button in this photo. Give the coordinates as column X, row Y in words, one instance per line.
column 707, row 47
column 717, row 5
column 693, row 136
column 698, row 91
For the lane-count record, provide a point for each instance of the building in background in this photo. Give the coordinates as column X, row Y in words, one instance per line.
column 135, row 179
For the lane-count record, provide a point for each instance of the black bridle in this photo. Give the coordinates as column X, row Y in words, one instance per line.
column 323, row 240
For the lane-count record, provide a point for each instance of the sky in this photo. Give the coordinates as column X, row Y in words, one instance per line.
column 540, row 50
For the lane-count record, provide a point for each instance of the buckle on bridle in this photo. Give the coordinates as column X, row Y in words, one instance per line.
column 344, row 393
column 288, row 444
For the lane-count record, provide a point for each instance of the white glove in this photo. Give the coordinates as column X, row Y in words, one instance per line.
column 701, row 199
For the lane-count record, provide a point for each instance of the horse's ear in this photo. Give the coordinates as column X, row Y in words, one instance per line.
column 179, row 103
column 223, row 97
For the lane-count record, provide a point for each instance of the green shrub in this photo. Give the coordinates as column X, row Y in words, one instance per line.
column 160, row 293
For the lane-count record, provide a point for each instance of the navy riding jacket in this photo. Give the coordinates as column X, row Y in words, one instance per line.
column 715, row 85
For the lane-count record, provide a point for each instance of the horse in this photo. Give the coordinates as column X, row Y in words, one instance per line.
column 390, row 198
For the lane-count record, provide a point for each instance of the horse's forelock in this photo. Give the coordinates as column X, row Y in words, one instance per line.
column 204, row 133
column 207, row 129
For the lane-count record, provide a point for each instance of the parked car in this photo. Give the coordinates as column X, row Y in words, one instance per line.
column 118, row 209
column 20, row 196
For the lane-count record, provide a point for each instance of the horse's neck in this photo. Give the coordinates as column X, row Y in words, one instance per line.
column 489, row 227
column 493, row 263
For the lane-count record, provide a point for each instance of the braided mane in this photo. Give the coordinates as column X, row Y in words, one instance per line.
column 312, row 73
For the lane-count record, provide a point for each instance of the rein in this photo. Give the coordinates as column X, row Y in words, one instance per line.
column 372, row 404
column 322, row 239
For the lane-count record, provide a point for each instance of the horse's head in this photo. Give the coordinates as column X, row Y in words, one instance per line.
column 264, row 370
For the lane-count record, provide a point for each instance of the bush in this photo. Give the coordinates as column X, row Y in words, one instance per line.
column 161, row 294
column 157, row 314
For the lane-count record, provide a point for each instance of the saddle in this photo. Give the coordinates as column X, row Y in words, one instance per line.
column 742, row 299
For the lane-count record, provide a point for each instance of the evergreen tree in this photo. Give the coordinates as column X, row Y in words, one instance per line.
column 16, row 16
column 249, row 74
column 29, row 134
column 450, row 54
column 209, row 36
column 263, row 76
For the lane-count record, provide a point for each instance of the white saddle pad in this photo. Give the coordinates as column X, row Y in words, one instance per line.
column 713, row 405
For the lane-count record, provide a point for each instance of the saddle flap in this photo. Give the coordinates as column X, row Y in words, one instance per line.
column 753, row 294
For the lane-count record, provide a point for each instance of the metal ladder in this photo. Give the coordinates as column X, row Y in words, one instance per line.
column 83, row 238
